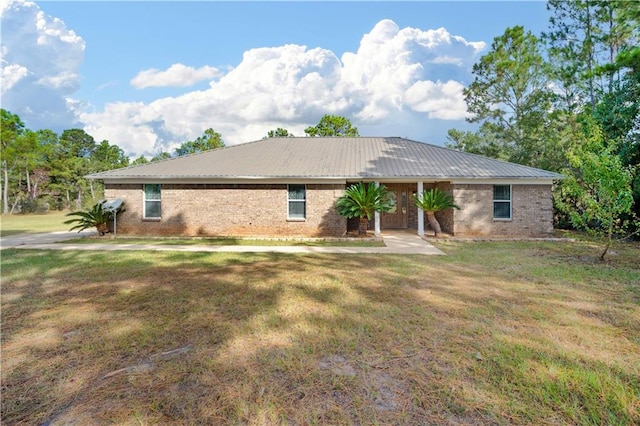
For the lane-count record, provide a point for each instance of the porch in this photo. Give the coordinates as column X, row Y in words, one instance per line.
column 405, row 215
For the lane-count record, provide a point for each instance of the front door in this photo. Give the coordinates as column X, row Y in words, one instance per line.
column 398, row 216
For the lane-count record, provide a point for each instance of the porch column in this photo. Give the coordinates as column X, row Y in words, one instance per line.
column 376, row 217
column 420, row 211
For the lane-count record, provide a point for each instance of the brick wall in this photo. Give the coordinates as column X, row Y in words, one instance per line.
column 229, row 210
column 261, row 210
column 532, row 211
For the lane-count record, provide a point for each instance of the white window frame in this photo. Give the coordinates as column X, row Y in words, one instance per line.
column 509, row 201
column 303, row 201
column 145, row 199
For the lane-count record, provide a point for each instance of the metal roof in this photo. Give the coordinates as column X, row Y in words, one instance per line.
column 328, row 158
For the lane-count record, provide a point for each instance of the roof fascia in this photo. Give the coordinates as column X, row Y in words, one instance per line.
column 224, row 181
column 474, row 181
column 502, row 181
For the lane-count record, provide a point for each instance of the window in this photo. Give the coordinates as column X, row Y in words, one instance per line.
column 297, row 202
column 393, row 198
column 152, row 201
column 502, row 201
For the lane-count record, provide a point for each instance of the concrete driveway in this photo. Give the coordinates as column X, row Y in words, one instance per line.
column 42, row 238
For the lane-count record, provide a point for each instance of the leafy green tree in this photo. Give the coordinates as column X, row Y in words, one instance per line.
column 279, row 133
column 597, row 189
column 11, row 130
column 106, row 157
column 209, row 140
column 163, row 155
column 585, row 38
column 482, row 142
column 362, row 201
column 332, row 125
column 432, row 201
column 572, row 50
column 71, row 161
column 509, row 95
column 140, row 160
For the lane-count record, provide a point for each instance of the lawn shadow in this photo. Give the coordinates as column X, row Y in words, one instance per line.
column 271, row 338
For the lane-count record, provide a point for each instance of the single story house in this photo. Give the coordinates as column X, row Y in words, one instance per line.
column 289, row 187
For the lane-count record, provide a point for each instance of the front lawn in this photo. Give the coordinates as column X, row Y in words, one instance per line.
column 494, row 333
column 15, row 224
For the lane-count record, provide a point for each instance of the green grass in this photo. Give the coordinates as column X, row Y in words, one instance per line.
column 32, row 223
column 526, row 333
column 227, row 241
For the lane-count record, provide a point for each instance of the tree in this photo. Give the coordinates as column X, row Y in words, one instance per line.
column 279, row 133
column 11, row 129
column 106, row 157
column 572, row 50
column 209, row 140
column 482, row 142
column 585, row 38
column 163, row 155
column 71, row 160
column 140, row 160
column 509, row 95
column 431, row 202
column 597, row 189
column 362, row 201
column 332, row 125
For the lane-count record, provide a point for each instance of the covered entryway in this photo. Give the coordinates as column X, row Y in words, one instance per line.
column 398, row 216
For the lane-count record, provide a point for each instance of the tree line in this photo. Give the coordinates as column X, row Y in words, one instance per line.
column 567, row 100
column 42, row 170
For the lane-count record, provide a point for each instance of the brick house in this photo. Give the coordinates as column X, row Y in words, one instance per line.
column 289, row 186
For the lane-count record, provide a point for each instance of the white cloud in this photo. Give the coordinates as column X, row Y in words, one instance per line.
column 399, row 81
column 439, row 100
column 401, row 77
column 11, row 74
column 177, row 75
column 39, row 68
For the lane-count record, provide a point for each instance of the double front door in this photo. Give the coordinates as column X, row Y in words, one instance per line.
column 398, row 216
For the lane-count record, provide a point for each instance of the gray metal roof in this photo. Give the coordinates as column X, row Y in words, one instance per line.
column 328, row 158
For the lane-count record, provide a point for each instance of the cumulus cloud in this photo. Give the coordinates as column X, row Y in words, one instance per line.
column 439, row 100
column 39, row 67
column 404, row 76
column 177, row 75
column 11, row 74
column 399, row 81
column 392, row 61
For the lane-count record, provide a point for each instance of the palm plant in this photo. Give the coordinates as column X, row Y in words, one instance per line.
column 97, row 216
column 362, row 201
column 432, row 201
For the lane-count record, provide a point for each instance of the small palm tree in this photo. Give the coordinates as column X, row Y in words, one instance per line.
column 97, row 216
column 432, row 201
column 362, row 201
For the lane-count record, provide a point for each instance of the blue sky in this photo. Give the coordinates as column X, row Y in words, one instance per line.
column 148, row 75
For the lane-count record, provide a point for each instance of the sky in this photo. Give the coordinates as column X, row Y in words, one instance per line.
column 149, row 75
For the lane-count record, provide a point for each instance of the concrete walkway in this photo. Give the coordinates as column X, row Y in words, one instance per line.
column 397, row 242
